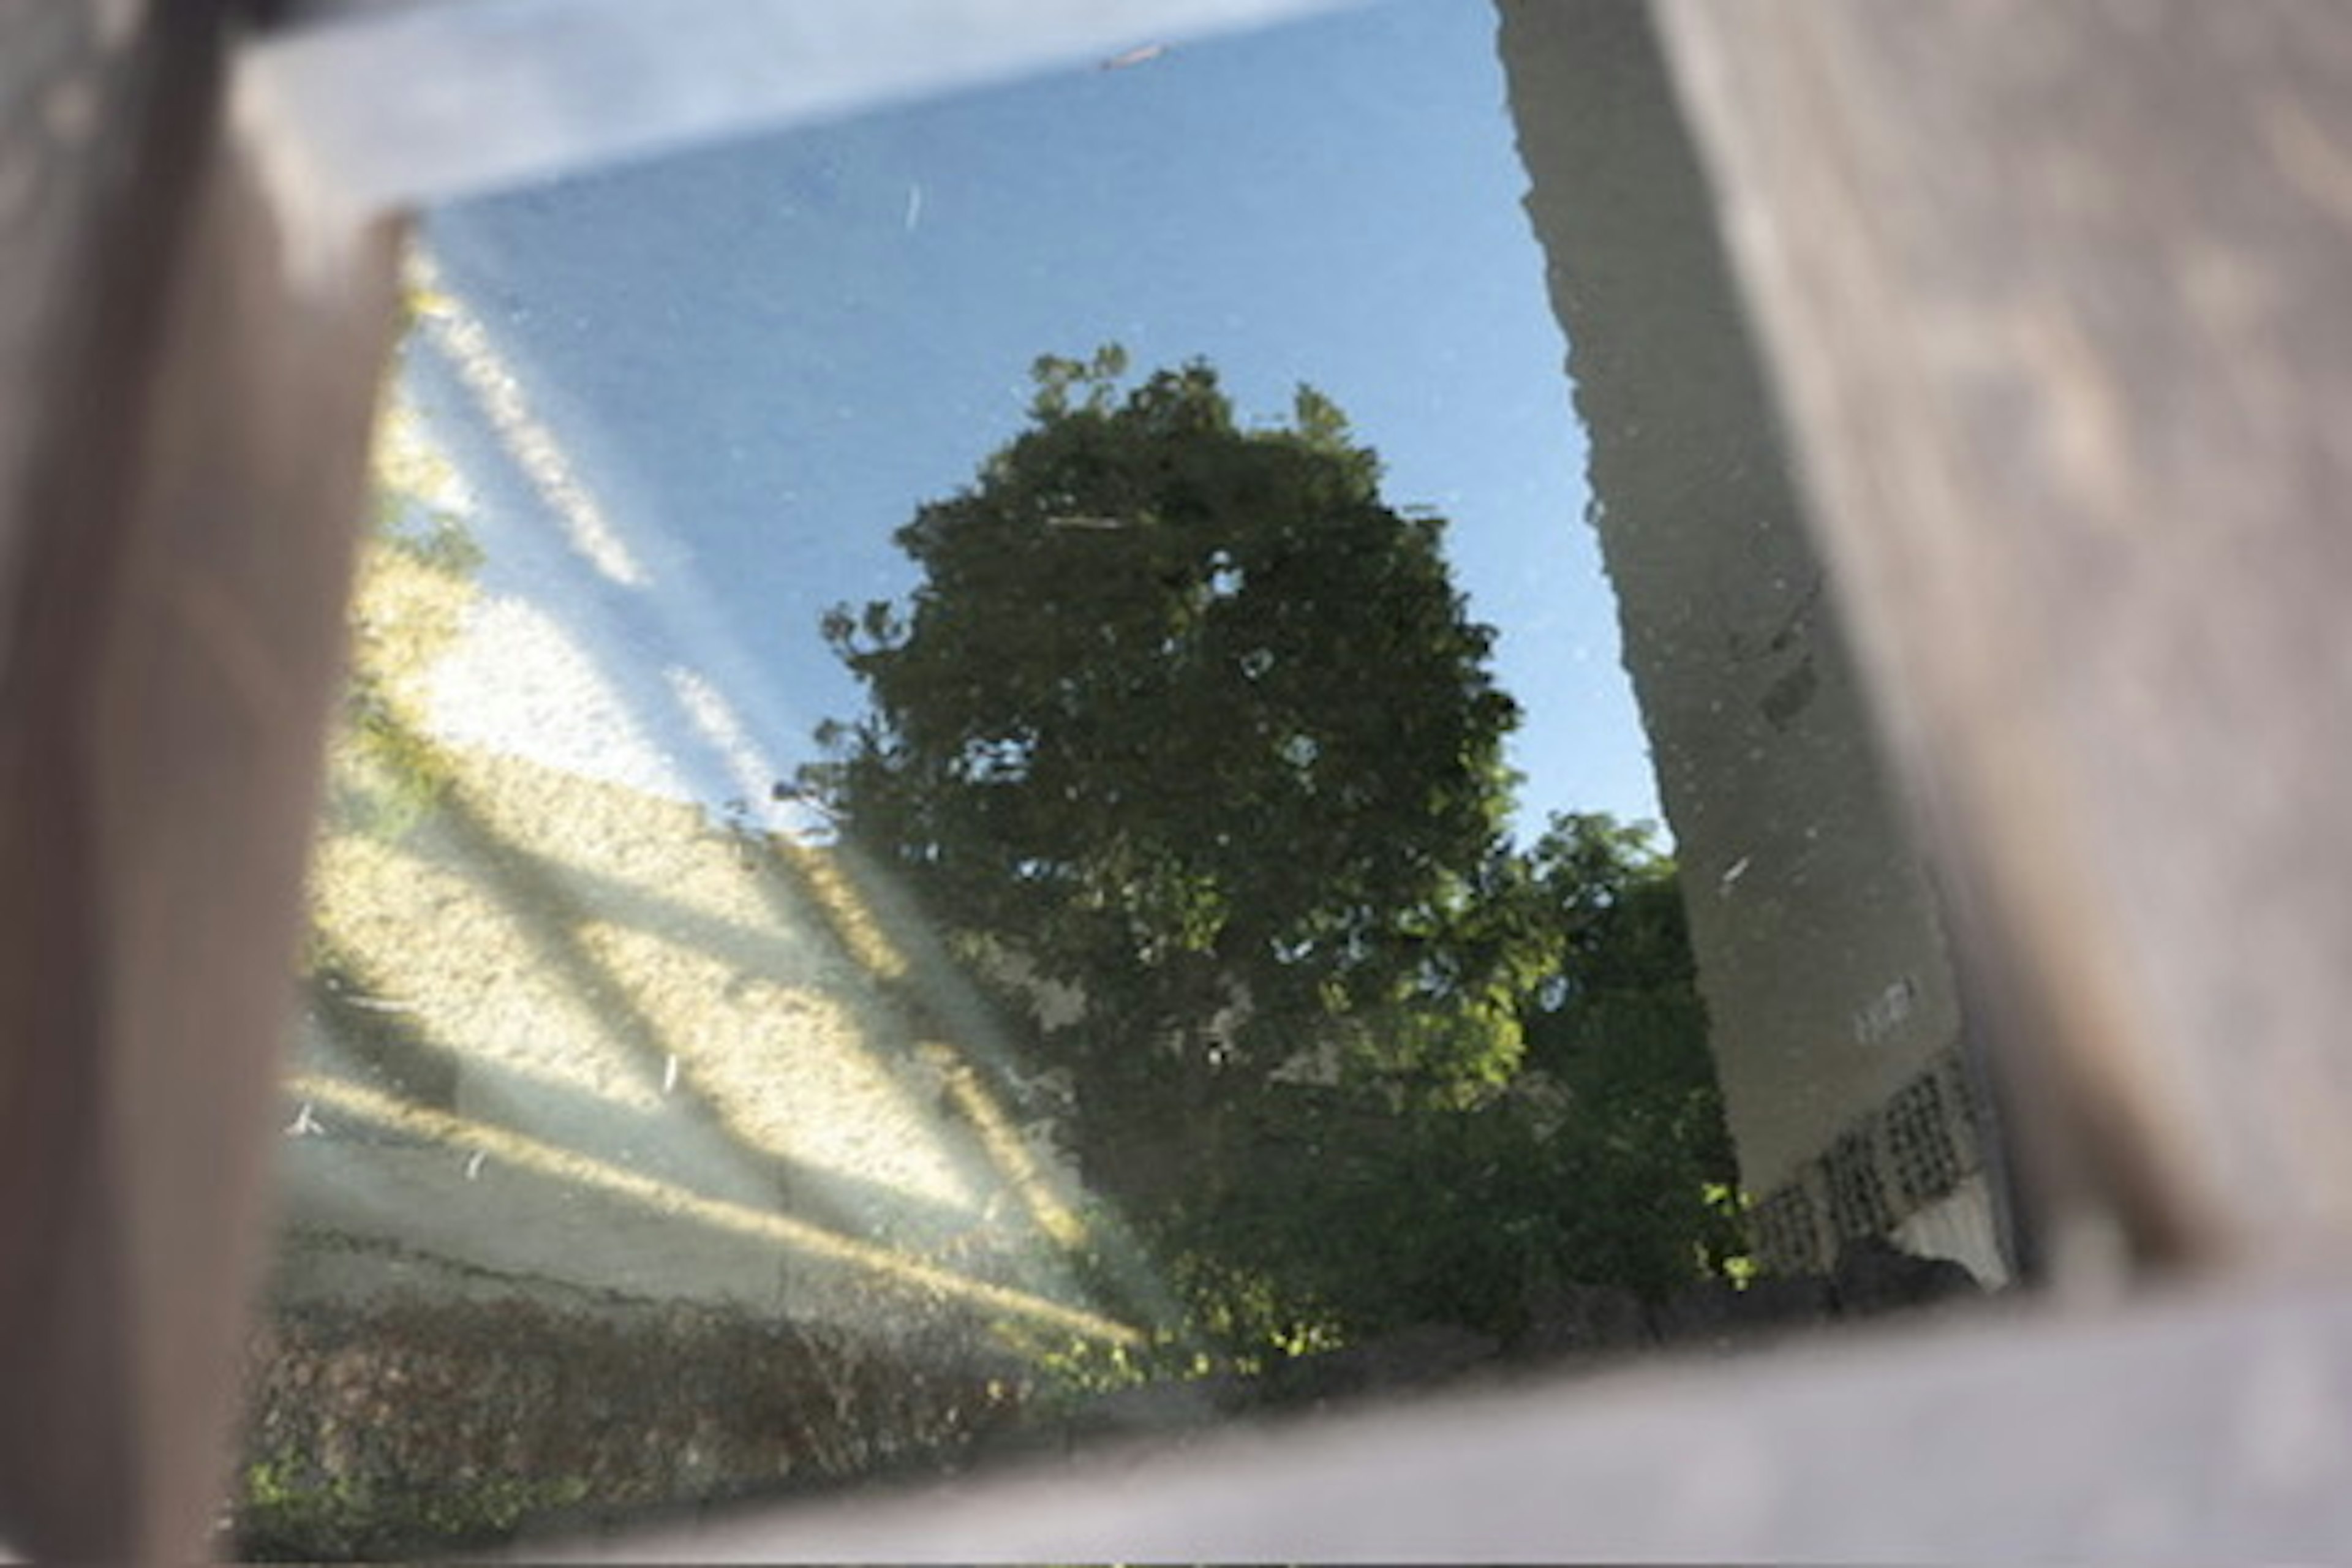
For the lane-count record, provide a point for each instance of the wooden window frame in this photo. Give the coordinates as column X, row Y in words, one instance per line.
column 2054, row 300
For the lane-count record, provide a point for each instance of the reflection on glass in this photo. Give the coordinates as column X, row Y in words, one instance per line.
column 893, row 899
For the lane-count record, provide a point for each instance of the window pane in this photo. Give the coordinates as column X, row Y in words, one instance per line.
column 991, row 796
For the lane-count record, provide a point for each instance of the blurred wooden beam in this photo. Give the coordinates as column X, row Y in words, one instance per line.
column 402, row 103
column 2058, row 303
column 186, row 378
column 2185, row 1431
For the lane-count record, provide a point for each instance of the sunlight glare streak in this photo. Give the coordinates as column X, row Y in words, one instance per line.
column 457, row 332
column 782, row 1230
column 791, row 1068
column 1013, row 1156
column 853, row 919
column 750, row 771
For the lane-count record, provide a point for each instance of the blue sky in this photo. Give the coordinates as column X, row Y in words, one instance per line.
column 759, row 358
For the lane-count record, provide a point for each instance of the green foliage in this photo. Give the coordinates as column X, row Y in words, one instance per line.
column 1393, row 1218
column 415, row 574
column 433, row 537
column 398, row 774
column 1233, row 1317
column 1622, row 1029
column 1191, row 710
column 286, row 1508
column 1604, row 1160
column 408, row 1426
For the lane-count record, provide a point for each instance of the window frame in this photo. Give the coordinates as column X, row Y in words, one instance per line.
column 194, row 316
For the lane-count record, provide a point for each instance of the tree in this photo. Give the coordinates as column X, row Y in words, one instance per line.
column 1182, row 716
column 1621, row 1029
column 1606, row 1161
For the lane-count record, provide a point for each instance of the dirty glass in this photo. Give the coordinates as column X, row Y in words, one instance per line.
column 1150, row 746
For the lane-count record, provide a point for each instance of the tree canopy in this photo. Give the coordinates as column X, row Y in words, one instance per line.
column 1186, row 711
